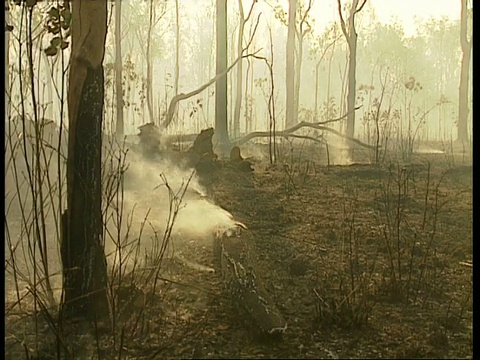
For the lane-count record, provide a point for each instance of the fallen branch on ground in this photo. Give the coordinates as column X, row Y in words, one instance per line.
column 288, row 132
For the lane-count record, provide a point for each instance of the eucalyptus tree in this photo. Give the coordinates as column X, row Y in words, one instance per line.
column 83, row 257
column 221, row 120
column 119, row 69
column 239, row 81
column 465, row 69
column 351, row 37
column 290, row 116
column 323, row 45
column 303, row 29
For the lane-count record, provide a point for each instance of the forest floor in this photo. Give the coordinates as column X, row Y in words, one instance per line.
column 362, row 262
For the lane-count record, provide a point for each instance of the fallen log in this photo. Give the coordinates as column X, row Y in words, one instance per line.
column 237, row 266
column 289, row 133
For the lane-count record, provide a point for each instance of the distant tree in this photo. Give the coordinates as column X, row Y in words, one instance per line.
column 118, row 69
column 82, row 252
column 221, row 121
column 150, row 62
column 303, row 28
column 290, row 116
column 239, row 82
column 321, row 47
column 351, row 37
column 463, row 88
column 177, row 47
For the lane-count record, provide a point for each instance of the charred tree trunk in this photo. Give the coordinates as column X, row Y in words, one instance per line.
column 7, row 59
column 82, row 252
column 290, row 116
column 464, row 75
column 118, row 69
column 221, row 127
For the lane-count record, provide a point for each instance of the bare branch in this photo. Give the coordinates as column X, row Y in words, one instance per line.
column 182, row 96
column 249, row 12
column 361, row 6
column 304, row 19
column 342, row 22
column 288, row 132
column 328, row 47
column 316, row 125
column 253, row 34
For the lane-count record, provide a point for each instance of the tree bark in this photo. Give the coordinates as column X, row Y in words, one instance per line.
column 352, row 81
column 177, row 48
column 351, row 37
column 221, row 127
column 238, row 92
column 290, row 117
column 7, row 60
column 300, row 33
column 83, row 257
column 462, row 135
column 118, row 70
column 150, row 65
column 298, row 74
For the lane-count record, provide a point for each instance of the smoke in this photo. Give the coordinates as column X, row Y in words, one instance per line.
column 428, row 150
column 338, row 150
column 154, row 191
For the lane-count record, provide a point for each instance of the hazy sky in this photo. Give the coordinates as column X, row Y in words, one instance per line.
column 406, row 10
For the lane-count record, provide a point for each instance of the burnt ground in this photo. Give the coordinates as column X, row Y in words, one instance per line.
column 362, row 261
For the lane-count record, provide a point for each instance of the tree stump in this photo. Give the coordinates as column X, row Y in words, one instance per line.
column 201, row 154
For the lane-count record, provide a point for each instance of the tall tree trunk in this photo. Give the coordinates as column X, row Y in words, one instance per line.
column 7, row 61
column 82, row 251
column 118, row 70
column 300, row 33
column 239, row 83
column 464, row 75
column 247, row 112
column 221, row 127
column 290, row 66
column 298, row 72
column 351, row 37
column 352, row 82
column 177, row 50
column 150, row 65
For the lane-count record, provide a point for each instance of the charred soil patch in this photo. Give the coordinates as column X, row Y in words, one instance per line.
column 361, row 261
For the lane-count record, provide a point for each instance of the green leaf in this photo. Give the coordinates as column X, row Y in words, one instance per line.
column 56, row 41
column 64, row 45
column 51, row 51
column 9, row 28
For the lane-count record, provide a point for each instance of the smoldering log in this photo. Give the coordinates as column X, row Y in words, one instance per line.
column 237, row 266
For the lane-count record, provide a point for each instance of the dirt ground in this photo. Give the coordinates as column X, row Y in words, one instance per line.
column 362, row 261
